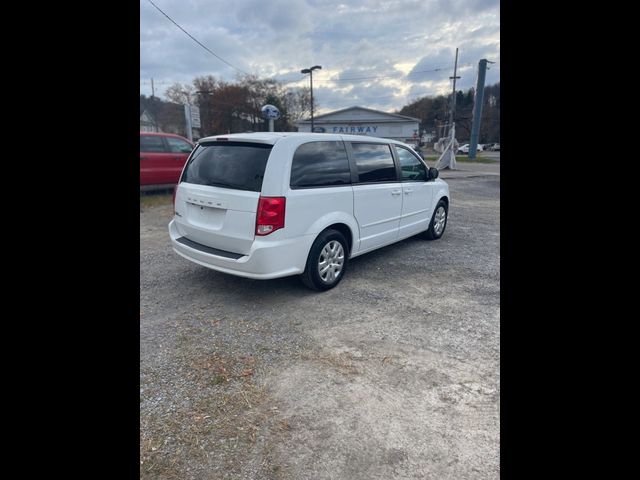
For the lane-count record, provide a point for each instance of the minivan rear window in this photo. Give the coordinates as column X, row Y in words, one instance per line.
column 236, row 165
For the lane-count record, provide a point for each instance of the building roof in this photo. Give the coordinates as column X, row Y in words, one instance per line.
column 376, row 114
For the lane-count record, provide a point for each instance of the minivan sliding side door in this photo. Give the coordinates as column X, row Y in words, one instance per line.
column 377, row 193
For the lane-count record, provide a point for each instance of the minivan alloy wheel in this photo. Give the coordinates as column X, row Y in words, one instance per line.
column 439, row 220
column 330, row 261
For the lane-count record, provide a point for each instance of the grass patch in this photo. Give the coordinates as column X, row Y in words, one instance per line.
column 155, row 199
column 216, row 427
column 342, row 363
column 218, row 369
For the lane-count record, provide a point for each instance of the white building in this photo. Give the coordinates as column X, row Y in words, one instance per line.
column 365, row 121
column 147, row 123
column 428, row 137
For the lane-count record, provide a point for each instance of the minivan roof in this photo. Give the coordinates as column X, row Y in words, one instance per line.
column 259, row 137
column 272, row 137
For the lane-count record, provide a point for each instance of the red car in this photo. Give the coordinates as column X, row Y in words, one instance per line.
column 162, row 156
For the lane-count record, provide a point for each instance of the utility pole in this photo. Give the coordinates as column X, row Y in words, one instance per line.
column 448, row 157
column 153, row 104
column 453, row 100
column 477, row 108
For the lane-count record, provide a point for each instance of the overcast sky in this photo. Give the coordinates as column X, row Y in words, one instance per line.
column 395, row 44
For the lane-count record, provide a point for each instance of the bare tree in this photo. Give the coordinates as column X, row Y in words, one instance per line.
column 231, row 108
column 236, row 106
column 181, row 93
column 298, row 103
column 261, row 92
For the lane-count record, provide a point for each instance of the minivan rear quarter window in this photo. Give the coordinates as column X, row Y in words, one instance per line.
column 235, row 165
column 374, row 162
column 320, row 164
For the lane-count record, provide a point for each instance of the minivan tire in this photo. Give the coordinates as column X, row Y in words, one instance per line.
column 330, row 246
column 436, row 228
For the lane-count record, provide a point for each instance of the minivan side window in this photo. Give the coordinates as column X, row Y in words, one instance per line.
column 412, row 168
column 320, row 164
column 152, row 143
column 374, row 162
column 178, row 146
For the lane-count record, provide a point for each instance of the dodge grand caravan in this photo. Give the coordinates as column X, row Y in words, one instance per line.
column 268, row 205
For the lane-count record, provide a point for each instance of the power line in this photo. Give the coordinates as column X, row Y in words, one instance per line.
column 409, row 94
column 196, row 40
column 352, row 78
column 384, row 76
column 375, row 77
column 406, row 96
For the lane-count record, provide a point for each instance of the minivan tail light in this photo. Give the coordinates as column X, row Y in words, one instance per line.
column 175, row 189
column 270, row 216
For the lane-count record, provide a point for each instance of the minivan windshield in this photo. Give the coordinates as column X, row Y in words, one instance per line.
column 236, row 165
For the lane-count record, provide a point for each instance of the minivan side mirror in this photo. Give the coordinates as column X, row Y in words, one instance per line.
column 432, row 174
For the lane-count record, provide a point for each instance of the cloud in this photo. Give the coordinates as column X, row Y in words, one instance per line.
column 392, row 40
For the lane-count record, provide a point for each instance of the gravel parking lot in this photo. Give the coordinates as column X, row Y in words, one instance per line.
column 392, row 374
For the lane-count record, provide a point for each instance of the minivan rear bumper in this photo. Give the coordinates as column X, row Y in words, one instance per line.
column 268, row 258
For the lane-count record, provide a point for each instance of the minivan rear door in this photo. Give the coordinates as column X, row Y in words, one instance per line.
column 377, row 194
column 217, row 198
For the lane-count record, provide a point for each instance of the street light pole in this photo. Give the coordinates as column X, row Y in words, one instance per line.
column 310, row 72
column 311, row 82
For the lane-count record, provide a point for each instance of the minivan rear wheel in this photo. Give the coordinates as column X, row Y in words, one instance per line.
column 327, row 261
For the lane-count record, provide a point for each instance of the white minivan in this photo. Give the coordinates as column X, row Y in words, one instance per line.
column 268, row 205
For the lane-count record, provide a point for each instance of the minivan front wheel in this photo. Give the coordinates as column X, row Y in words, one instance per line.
column 438, row 221
column 327, row 261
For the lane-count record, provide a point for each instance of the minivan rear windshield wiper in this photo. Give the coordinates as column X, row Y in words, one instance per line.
column 227, row 185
